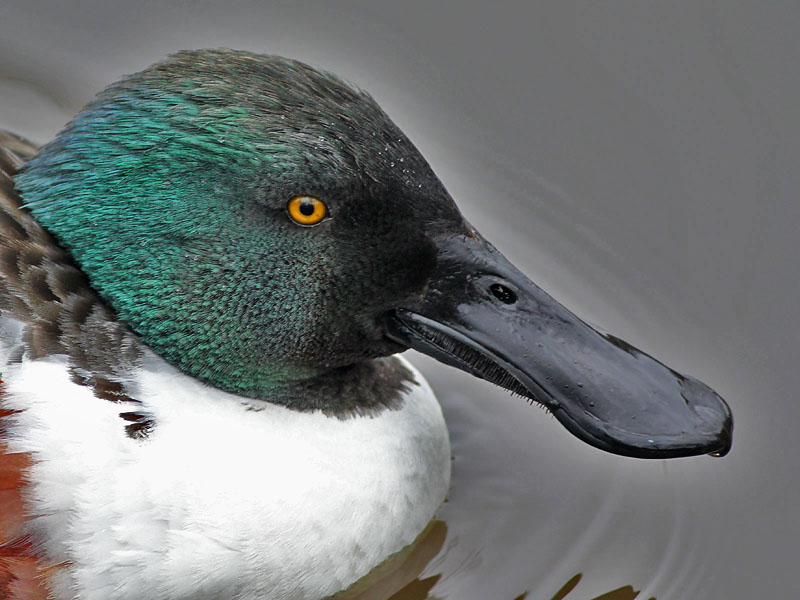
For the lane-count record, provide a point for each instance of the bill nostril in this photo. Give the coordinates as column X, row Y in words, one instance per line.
column 502, row 293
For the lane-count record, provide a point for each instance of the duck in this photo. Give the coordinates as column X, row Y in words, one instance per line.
column 206, row 281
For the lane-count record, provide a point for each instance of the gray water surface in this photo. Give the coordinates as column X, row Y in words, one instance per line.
column 640, row 162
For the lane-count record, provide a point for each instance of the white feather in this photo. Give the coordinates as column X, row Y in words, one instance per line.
column 220, row 501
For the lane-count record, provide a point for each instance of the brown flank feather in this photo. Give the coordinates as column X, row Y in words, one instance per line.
column 23, row 574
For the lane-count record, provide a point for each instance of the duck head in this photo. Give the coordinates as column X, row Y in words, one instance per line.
column 262, row 225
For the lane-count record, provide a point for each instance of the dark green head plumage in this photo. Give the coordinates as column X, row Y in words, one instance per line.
column 170, row 191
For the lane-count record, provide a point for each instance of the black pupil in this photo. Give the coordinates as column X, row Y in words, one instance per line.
column 502, row 293
column 307, row 208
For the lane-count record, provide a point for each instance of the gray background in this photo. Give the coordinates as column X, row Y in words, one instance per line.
column 639, row 161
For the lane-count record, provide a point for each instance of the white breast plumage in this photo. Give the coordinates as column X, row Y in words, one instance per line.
column 224, row 499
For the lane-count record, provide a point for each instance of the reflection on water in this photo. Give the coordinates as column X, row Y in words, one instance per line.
column 623, row 593
column 398, row 577
column 419, row 588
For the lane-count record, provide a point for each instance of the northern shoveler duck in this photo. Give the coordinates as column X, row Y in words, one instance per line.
column 204, row 281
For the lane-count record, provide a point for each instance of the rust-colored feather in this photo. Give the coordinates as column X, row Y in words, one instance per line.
column 22, row 574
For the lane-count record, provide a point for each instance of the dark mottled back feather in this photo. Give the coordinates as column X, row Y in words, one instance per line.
column 41, row 288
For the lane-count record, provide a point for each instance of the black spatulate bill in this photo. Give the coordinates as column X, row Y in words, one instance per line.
column 482, row 315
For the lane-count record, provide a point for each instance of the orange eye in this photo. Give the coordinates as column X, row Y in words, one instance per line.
column 306, row 210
